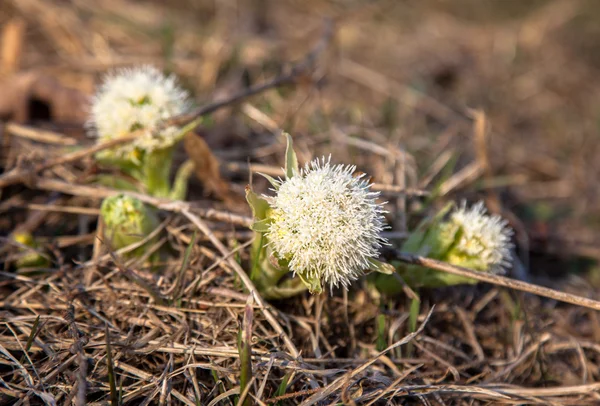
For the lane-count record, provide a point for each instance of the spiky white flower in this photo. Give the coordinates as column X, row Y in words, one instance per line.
column 487, row 237
column 137, row 98
column 326, row 223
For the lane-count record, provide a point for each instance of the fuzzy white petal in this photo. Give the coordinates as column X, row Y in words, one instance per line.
column 326, row 223
column 137, row 98
column 485, row 236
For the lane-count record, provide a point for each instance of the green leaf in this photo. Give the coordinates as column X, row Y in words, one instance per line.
column 258, row 205
column 187, row 256
column 283, row 386
column 116, row 182
column 420, row 240
column 257, row 251
column 261, row 226
column 127, row 221
column 180, row 185
column 32, row 334
column 439, row 216
column 313, row 284
column 110, row 159
column 286, row 289
column 245, row 351
column 191, row 126
column 291, row 161
column 413, row 316
column 381, row 267
column 271, row 180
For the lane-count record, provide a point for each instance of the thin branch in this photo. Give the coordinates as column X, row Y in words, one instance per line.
column 499, row 280
column 298, row 70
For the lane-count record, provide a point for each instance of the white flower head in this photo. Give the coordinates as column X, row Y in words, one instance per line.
column 138, row 98
column 486, row 237
column 326, row 223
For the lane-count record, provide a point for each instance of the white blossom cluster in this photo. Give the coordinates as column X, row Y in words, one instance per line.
column 485, row 236
column 326, row 223
column 138, row 98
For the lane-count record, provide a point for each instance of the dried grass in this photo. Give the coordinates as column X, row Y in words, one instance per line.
column 389, row 93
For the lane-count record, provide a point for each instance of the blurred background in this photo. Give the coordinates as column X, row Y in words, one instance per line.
column 399, row 90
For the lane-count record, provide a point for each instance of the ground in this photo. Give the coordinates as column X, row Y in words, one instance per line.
column 436, row 100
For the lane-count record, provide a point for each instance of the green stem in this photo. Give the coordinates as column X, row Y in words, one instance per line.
column 157, row 170
column 268, row 278
column 381, row 341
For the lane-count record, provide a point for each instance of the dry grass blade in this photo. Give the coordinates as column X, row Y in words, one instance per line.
column 245, row 350
column 278, row 172
column 187, row 257
column 479, row 392
column 546, row 392
column 32, row 335
column 114, row 396
column 38, row 135
column 175, row 206
column 224, row 395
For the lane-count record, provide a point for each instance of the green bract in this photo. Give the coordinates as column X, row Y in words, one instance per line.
column 271, row 275
column 151, row 168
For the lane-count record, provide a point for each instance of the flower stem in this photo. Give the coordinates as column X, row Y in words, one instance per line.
column 156, row 171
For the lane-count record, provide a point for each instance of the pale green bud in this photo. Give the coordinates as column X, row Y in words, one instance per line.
column 127, row 221
column 467, row 237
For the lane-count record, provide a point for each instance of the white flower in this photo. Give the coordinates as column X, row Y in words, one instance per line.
column 326, row 223
column 137, row 98
column 484, row 236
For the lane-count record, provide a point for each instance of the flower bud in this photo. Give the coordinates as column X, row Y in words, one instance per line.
column 127, row 221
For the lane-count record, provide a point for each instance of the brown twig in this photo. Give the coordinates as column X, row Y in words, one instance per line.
column 19, row 175
column 175, row 206
column 499, row 280
column 36, row 134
